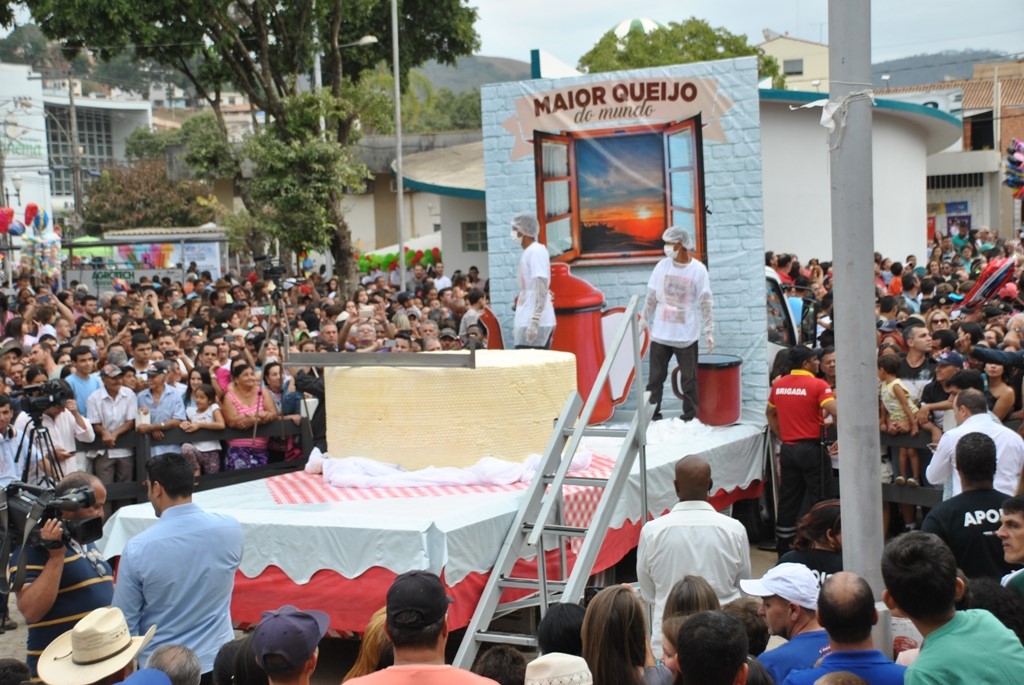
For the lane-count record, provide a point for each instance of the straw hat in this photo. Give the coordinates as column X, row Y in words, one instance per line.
column 558, row 669
column 99, row 645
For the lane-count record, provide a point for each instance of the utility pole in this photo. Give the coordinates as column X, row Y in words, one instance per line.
column 398, row 145
column 76, row 163
column 853, row 230
column 853, row 249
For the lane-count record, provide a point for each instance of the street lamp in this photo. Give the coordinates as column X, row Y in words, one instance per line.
column 885, row 80
column 817, row 84
column 365, row 40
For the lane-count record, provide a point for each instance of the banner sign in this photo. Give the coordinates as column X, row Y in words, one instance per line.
column 608, row 103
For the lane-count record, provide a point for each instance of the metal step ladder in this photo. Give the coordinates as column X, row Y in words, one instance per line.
column 540, row 525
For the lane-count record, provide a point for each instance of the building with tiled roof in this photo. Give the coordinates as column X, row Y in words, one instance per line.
column 968, row 178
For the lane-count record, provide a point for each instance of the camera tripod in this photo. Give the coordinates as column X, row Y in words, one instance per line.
column 36, row 446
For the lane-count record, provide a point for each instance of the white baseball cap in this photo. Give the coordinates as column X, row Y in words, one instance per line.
column 793, row 582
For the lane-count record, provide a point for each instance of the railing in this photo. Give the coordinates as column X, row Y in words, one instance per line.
column 141, row 443
column 924, row 496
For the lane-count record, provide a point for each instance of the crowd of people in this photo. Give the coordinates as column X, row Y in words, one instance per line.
column 205, row 354
column 805, row 621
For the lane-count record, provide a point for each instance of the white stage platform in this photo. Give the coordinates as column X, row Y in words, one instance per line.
column 338, row 549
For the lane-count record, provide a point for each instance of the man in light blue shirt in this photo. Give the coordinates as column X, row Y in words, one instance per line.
column 83, row 381
column 163, row 408
column 179, row 574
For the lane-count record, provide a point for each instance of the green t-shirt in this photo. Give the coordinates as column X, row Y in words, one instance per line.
column 973, row 648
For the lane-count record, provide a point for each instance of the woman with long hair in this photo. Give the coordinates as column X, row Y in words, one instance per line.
column 690, row 595
column 615, row 642
column 196, row 377
column 1000, row 394
column 818, row 544
column 374, row 644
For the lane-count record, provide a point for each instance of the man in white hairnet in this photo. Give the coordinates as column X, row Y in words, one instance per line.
column 678, row 310
column 535, row 314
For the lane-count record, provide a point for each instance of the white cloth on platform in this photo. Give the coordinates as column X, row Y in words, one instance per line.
column 361, row 472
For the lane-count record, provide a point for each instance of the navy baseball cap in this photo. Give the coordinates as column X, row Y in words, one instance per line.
column 290, row 634
column 950, row 358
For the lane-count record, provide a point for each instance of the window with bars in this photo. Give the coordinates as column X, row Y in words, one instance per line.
column 474, row 236
column 94, row 138
column 608, row 195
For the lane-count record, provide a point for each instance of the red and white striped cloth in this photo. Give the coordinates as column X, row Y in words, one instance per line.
column 300, row 487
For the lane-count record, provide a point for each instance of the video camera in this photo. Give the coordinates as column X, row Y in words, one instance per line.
column 272, row 270
column 30, row 506
column 39, row 398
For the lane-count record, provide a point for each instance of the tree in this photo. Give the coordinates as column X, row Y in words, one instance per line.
column 24, row 45
column 693, row 40
column 141, row 195
column 7, row 14
column 143, row 144
column 425, row 109
column 266, row 49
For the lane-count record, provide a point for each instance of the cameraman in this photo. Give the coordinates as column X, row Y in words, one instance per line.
column 65, row 424
column 63, row 584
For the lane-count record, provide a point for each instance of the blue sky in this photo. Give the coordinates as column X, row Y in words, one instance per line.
column 569, row 28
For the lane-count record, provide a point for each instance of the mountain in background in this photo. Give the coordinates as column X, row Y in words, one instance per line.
column 472, row 72
column 933, row 68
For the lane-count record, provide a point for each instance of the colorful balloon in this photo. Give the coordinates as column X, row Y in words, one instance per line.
column 436, row 252
column 17, row 228
column 31, row 212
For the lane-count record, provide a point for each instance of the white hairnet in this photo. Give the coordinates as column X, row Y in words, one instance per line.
column 677, row 234
column 526, row 224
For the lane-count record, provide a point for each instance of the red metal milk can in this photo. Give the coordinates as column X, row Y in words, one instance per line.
column 578, row 312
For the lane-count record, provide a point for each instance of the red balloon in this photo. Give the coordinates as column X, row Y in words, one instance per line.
column 6, row 217
column 31, row 212
column 436, row 252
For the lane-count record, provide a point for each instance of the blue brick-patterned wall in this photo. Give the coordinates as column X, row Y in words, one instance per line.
column 735, row 233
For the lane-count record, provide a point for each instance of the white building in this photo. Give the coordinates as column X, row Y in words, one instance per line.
column 795, row 162
column 36, row 138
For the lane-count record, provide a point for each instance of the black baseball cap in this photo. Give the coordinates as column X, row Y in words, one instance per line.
column 416, row 599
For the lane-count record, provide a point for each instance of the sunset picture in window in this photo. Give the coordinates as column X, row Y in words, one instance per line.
column 608, row 195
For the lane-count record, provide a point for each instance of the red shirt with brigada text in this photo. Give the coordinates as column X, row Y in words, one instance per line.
column 798, row 398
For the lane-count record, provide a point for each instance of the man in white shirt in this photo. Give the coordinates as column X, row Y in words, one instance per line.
column 535, row 313
column 440, row 280
column 678, row 311
column 971, row 411
column 112, row 411
column 692, row 539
